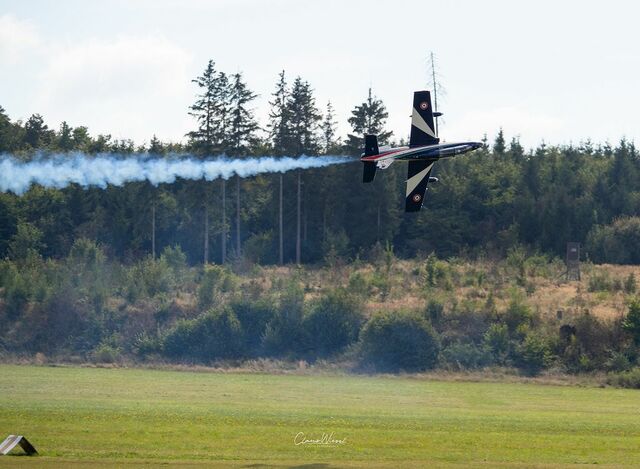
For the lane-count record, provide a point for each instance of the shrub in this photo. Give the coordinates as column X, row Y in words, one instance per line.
column 436, row 272
column 211, row 285
column 333, row 323
column 496, row 339
column 591, row 345
column 434, row 312
column 461, row 356
column 285, row 333
column 625, row 379
column 630, row 284
column 254, row 317
column 148, row 278
column 216, row 334
column 600, row 281
column 534, row 354
column 146, row 344
column 359, row 285
column 175, row 259
column 518, row 314
column 259, row 247
column 106, row 353
column 631, row 323
column 86, row 255
column 393, row 341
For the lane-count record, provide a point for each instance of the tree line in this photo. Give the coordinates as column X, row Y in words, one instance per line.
column 487, row 202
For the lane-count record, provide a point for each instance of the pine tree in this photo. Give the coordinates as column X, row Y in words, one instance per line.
column 7, row 132
column 368, row 118
column 279, row 134
column 37, row 134
column 329, row 130
column 304, row 119
column 304, row 124
column 65, row 140
column 499, row 146
column 211, row 111
column 243, row 127
column 205, row 111
column 280, row 118
column 156, row 147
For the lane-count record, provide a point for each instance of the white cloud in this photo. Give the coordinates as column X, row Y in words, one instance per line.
column 118, row 86
column 17, row 37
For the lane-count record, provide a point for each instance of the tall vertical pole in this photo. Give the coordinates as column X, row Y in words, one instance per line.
column 153, row 230
column 298, row 245
column 435, row 88
column 206, row 232
column 223, row 255
column 238, row 246
column 281, row 240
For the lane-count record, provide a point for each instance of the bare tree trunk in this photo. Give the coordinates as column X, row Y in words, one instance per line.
column 305, row 218
column 223, row 255
column 206, row 232
column 153, row 230
column 324, row 224
column 238, row 246
column 378, row 230
column 298, row 246
column 281, row 226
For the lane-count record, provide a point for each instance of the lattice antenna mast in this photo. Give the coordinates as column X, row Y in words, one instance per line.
column 436, row 86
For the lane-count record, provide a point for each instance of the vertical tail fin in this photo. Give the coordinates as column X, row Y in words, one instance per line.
column 369, row 171
column 371, row 145
column 370, row 149
column 422, row 128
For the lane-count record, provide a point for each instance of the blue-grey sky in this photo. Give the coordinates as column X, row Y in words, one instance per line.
column 558, row 71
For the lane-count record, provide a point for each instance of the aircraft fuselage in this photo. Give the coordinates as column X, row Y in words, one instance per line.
column 426, row 152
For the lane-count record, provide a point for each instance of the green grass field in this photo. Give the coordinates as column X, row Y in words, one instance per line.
column 82, row 417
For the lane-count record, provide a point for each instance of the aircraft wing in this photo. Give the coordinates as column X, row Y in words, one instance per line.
column 417, row 180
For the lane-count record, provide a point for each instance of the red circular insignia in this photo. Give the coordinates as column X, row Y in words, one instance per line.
column 417, row 197
column 424, row 105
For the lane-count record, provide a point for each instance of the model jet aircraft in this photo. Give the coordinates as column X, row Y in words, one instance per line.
column 423, row 151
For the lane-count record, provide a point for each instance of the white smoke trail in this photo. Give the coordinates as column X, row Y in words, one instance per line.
column 58, row 171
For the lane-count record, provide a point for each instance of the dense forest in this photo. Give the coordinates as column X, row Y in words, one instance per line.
column 486, row 202
column 106, row 273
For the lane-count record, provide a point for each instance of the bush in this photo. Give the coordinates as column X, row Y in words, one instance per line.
column 625, row 379
column 631, row 323
column 496, row 339
column 394, row 341
column 259, row 248
column 630, row 284
column 146, row 344
column 333, row 323
column 534, row 354
column 600, row 281
column 106, row 353
column 518, row 314
column 216, row 334
column 254, row 317
column 284, row 333
column 215, row 280
column 460, row 356
column 175, row 259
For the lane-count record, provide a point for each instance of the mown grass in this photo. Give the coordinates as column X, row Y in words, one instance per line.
column 84, row 417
